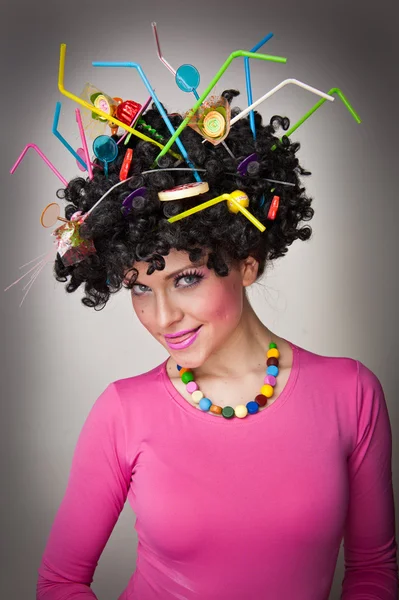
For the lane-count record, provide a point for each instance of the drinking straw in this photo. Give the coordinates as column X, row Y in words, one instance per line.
column 160, row 56
column 209, row 203
column 58, row 135
column 84, row 142
column 96, row 110
column 278, row 87
column 340, row 95
column 257, row 47
column 133, row 65
column 233, row 55
column 46, row 160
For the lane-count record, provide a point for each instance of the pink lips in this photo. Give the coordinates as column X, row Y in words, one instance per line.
column 186, row 338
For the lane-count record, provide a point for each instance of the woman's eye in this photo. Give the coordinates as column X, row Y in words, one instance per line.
column 138, row 289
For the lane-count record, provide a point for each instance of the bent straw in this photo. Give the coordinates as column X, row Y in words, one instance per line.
column 233, row 55
column 340, row 95
column 278, row 87
column 133, row 65
column 84, row 141
column 46, row 160
column 257, row 47
column 96, row 110
column 160, row 56
column 209, row 203
column 61, row 138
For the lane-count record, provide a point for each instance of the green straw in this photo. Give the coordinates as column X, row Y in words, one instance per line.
column 336, row 91
column 233, row 55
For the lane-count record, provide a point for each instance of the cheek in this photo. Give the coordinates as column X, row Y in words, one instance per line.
column 226, row 305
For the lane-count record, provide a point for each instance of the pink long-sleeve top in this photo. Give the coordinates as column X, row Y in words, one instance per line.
column 240, row 509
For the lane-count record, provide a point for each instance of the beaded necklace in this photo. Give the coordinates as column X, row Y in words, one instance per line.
column 242, row 410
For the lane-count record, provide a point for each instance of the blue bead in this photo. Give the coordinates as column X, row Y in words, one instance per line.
column 178, row 367
column 252, row 407
column 205, row 404
column 272, row 370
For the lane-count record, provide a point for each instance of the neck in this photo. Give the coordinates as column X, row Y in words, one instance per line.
column 244, row 351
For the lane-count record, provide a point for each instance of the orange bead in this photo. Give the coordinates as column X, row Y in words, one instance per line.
column 217, row 410
column 183, row 370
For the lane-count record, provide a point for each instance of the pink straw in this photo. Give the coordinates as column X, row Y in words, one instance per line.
column 46, row 160
column 84, row 142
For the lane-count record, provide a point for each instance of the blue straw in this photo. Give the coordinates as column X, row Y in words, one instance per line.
column 248, row 80
column 157, row 103
column 57, row 134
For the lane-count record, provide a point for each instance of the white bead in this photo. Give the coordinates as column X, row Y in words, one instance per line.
column 197, row 395
column 241, row 411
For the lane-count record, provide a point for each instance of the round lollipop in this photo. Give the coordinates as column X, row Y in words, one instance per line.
column 51, row 214
column 187, row 78
column 106, row 150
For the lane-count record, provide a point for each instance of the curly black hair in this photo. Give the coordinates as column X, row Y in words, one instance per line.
column 144, row 234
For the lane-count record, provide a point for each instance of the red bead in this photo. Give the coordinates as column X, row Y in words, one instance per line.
column 261, row 400
column 272, row 360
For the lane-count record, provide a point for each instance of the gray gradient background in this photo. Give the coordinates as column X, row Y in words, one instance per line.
column 335, row 295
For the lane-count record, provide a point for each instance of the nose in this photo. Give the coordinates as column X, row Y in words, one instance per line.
column 168, row 312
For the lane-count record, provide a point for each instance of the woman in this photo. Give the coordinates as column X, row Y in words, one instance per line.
column 243, row 483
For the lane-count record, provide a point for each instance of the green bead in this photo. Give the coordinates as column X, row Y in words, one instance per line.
column 272, row 345
column 228, row 412
column 187, row 377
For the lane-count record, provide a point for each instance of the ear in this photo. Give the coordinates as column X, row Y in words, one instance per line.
column 249, row 270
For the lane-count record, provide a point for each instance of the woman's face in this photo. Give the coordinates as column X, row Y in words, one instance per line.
column 192, row 301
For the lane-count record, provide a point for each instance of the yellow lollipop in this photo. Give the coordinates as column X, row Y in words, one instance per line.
column 214, row 124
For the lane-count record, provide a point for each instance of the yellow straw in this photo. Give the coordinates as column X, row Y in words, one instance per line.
column 209, row 203
column 97, row 110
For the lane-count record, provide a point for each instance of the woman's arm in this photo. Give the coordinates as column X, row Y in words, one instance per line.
column 370, row 548
column 95, row 495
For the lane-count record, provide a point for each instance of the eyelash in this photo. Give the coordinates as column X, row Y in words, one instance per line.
column 192, row 273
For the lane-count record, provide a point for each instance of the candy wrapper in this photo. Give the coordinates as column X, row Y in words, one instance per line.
column 71, row 247
column 212, row 119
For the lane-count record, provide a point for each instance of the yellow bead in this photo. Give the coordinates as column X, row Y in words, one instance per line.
column 267, row 390
column 197, row 395
column 241, row 411
column 239, row 197
column 273, row 352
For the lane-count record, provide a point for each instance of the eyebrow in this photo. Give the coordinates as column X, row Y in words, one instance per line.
column 171, row 275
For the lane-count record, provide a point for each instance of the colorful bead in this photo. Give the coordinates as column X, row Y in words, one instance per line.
column 241, row 411
column 178, row 367
column 272, row 345
column 261, row 400
column 273, row 352
column 228, row 412
column 272, row 370
column 183, row 370
column 205, row 404
column 187, row 377
column 191, row 387
column 267, row 390
column 272, row 361
column 217, row 410
column 270, row 379
column 252, row 407
column 197, row 395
